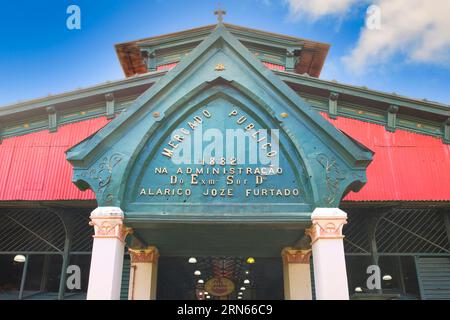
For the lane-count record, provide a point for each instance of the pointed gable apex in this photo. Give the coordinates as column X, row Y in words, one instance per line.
column 220, row 33
column 221, row 68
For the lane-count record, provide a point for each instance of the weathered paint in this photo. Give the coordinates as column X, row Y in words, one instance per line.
column 169, row 48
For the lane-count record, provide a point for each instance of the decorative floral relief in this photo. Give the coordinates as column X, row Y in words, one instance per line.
column 147, row 255
column 333, row 176
column 328, row 228
column 111, row 227
column 103, row 173
column 291, row 255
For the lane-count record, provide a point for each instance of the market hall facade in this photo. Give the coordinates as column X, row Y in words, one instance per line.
column 222, row 167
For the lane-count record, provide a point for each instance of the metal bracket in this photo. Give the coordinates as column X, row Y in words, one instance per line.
column 150, row 58
column 110, row 105
column 392, row 118
column 446, row 137
column 291, row 59
column 52, row 118
column 333, row 105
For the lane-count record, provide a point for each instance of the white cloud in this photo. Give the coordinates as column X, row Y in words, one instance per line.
column 315, row 9
column 417, row 29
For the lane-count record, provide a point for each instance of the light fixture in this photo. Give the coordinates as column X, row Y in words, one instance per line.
column 200, row 281
column 250, row 260
column 240, row 293
column 246, row 281
column 358, row 289
column 242, row 288
column 387, row 277
column 208, row 297
column 247, row 272
column 20, row 258
column 239, row 297
column 206, row 293
column 192, row 260
column 197, row 273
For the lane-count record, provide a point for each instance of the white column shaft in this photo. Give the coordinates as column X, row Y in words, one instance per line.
column 296, row 274
column 330, row 274
column 105, row 276
column 143, row 275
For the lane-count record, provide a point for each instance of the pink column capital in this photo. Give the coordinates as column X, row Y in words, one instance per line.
column 144, row 255
column 296, row 274
column 143, row 275
column 105, row 275
column 292, row 255
column 327, row 223
column 108, row 223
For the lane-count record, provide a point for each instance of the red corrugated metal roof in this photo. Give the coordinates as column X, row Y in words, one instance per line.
column 34, row 166
column 168, row 66
column 406, row 167
column 273, row 66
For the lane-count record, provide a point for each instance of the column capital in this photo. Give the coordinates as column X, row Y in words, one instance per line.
column 327, row 223
column 107, row 212
column 292, row 255
column 144, row 255
column 108, row 223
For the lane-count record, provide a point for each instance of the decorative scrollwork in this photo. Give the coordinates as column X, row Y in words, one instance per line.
column 101, row 176
column 333, row 176
column 104, row 170
column 108, row 198
column 146, row 255
column 110, row 227
column 291, row 255
column 326, row 228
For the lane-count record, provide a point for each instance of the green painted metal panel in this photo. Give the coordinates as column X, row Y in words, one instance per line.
column 146, row 182
column 313, row 284
column 363, row 92
column 125, row 278
column 120, row 160
column 434, row 277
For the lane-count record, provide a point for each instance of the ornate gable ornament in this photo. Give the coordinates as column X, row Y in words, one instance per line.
column 175, row 153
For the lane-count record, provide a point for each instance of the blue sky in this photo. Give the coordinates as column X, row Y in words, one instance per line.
column 40, row 56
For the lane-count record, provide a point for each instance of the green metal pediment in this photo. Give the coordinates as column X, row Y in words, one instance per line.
column 219, row 138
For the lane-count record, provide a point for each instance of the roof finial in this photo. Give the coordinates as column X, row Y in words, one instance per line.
column 219, row 13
